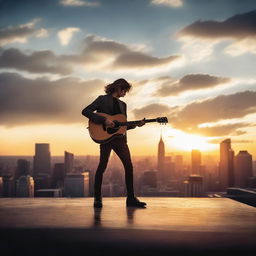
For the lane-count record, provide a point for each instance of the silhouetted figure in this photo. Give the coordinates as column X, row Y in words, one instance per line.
column 111, row 105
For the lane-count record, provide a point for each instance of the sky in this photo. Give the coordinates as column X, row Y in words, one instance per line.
column 192, row 61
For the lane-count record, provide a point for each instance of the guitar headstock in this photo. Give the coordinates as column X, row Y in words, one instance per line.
column 162, row 120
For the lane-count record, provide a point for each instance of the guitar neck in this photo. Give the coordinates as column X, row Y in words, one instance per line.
column 137, row 122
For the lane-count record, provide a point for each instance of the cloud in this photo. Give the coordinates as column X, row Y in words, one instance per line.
column 111, row 55
column 66, row 34
column 241, row 28
column 77, row 3
column 153, row 111
column 98, row 53
column 168, row 3
column 242, row 46
column 188, row 83
column 36, row 62
column 218, row 141
column 42, row 33
column 188, row 118
column 221, row 130
column 21, row 33
column 26, row 101
column 140, row 60
column 238, row 26
column 222, row 107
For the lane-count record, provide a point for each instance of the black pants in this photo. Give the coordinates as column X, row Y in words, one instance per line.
column 121, row 148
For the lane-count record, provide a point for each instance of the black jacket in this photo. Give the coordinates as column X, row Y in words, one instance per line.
column 103, row 104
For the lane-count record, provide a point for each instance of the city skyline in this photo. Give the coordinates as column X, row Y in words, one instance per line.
column 189, row 60
column 42, row 175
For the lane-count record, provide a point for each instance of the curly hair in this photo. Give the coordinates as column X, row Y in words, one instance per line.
column 119, row 83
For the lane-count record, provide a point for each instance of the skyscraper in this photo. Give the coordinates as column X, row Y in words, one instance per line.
column 226, row 165
column 42, row 159
column 58, row 176
column 25, row 186
column 1, row 186
column 76, row 185
column 22, row 168
column 161, row 155
column 149, row 178
column 243, row 168
column 69, row 162
column 194, row 186
column 195, row 161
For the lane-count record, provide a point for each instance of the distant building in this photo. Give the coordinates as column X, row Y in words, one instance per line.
column 42, row 181
column 169, row 170
column 243, row 169
column 106, row 189
column 149, row 179
column 42, row 159
column 161, row 155
column 25, row 186
column 1, row 186
column 161, row 160
column 68, row 162
column 76, row 185
column 226, row 166
column 58, row 175
column 194, row 186
column 8, row 185
column 48, row 193
column 118, row 189
column 178, row 163
column 22, row 168
column 148, row 182
column 195, row 161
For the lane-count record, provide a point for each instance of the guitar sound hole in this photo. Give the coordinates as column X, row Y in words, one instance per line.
column 112, row 130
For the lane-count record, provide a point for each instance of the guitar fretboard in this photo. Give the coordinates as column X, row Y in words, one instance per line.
column 137, row 122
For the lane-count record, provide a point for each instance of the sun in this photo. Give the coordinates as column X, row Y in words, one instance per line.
column 187, row 142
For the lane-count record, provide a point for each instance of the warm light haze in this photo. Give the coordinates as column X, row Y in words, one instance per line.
column 192, row 61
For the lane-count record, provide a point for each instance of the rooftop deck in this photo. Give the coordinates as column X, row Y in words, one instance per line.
column 191, row 226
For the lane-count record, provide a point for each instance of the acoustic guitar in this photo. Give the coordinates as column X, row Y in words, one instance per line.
column 102, row 134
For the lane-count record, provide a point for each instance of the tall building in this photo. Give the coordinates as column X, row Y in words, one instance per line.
column 243, row 169
column 169, row 170
column 195, row 161
column 1, row 186
column 8, row 185
column 179, row 163
column 160, row 155
column 25, row 186
column 194, row 186
column 76, row 185
column 226, row 165
column 58, row 175
column 42, row 181
column 22, row 168
column 149, row 183
column 149, row 179
column 42, row 159
column 68, row 162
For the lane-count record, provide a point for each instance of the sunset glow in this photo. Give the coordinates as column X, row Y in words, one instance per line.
column 185, row 60
column 187, row 142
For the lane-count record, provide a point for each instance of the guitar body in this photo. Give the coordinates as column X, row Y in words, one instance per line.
column 101, row 135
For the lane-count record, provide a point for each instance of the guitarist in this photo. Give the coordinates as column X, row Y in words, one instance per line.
column 110, row 104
